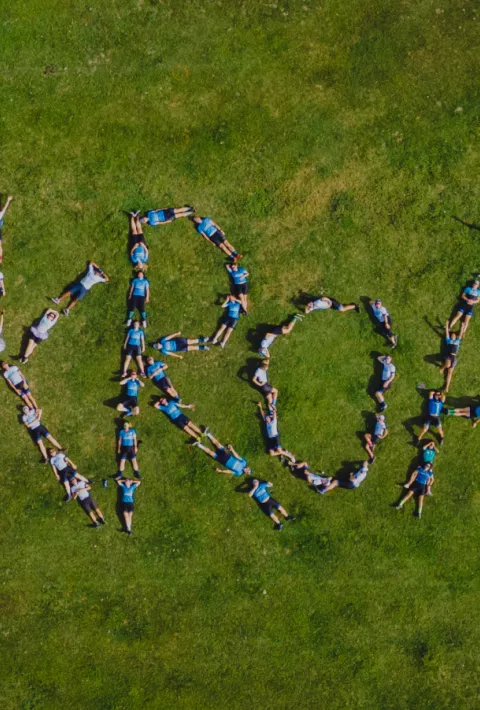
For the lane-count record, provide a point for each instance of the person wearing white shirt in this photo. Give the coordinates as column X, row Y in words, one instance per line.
column 40, row 332
column 355, row 479
column 2, row 285
column 16, row 380
column 64, row 470
column 389, row 372
column 260, row 379
column 384, row 321
column 80, row 489
column 94, row 275
column 32, row 420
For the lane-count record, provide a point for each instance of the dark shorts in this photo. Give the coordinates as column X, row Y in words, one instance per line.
column 419, row 489
column 346, row 484
column 133, row 350
column 88, row 504
column 269, row 506
column 181, row 421
column 273, row 443
column 2, row 291
column 239, row 289
column 127, row 452
column 382, row 328
column 66, row 474
column 465, row 308
column 266, row 389
column 453, row 361
column 138, row 238
column 222, row 456
column 126, row 507
column 433, row 420
column 230, row 322
column 24, row 390
column 217, row 238
column 375, row 439
column 78, row 292
column 336, row 305
column 472, row 412
column 164, row 383
column 136, row 302
column 37, row 433
column 384, row 388
column 35, row 338
column 130, row 402
column 169, row 213
column 182, row 345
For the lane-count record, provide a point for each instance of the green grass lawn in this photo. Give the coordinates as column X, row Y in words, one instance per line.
column 334, row 142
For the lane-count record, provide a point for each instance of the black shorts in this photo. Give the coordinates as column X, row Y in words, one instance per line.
column 164, row 383
column 127, row 452
column 88, row 504
column 37, row 433
column 433, row 420
column 2, row 291
column 126, row 507
column 273, row 443
column 136, row 302
column 133, row 350
column 453, row 361
column 384, row 388
column 419, row 489
column 239, row 289
column 169, row 214
column 181, row 421
column 138, row 238
column 217, row 238
column 130, row 402
column 336, row 305
column 230, row 322
column 66, row 474
column 270, row 505
column 375, row 439
column 222, row 456
column 266, row 389
column 465, row 308
column 182, row 345
column 382, row 328
column 35, row 338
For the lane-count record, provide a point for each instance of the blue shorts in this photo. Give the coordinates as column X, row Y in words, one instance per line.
column 79, row 292
column 466, row 309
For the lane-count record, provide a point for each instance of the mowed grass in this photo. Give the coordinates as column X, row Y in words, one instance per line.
column 334, row 142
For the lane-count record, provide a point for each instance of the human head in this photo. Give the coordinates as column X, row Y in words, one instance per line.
column 126, row 425
column 378, row 302
column 234, row 267
column 453, row 336
column 136, row 324
column 195, row 219
column 247, row 470
column 255, row 480
column 437, row 394
column 150, row 360
column 25, row 409
column 5, row 365
column 476, row 283
column 265, row 364
column 51, row 315
column 163, row 401
column 140, row 274
column 51, row 452
column 388, row 359
column 133, row 373
column 427, row 467
column 381, row 417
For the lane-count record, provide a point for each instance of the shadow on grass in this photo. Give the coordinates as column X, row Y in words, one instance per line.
column 470, row 225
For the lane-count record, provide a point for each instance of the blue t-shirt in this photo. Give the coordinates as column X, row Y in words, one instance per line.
column 139, row 254
column 233, row 309
column 236, row 465
column 435, row 407
column 471, row 292
column 239, row 276
column 453, row 345
column 171, row 410
column 423, row 476
column 207, row 227
column 132, row 387
column 134, row 337
column 155, row 370
column 127, row 438
column 140, row 287
column 168, row 346
column 380, row 312
column 261, row 494
column 128, row 492
column 477, row 412
column 155, row 217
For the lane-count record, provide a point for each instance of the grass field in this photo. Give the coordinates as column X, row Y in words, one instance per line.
column 334, row 142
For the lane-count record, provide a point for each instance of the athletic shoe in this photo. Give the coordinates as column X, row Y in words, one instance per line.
column 129, row 532
column 214, row 341
column 191, row 208
column 206, row 431
column 44, row 461
column 429, row 493
column 144, row 323
column 138, row 475
column 357, row 308
column 143, row 375
column 96, row 524
column 205, row 347
column 24, row 360
column 63, row 448
column 66, row 312
column 134, row 214
column 298, row 316
column 117, row 476
column 103, row 521
column 442, row 442
column 278, row 526
column 55, row 300
column 290, row 517
column 237, row 258
column 205, row 340
column 399, row 507
column 371, row 459
column 222, row 344
column 418, row 514
column 127, row 414
column 128, row 322
column 395, row 342
column 383, row 406
column 196, row 443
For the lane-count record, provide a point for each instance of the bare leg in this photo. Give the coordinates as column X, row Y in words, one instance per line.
column 208, row 451
column 219, row 333
column 440, row 432
column 63, row 297
column 228, row 333
column 31, row 345
column 53, row 441
column 331, row 486
column 465, row 325
column 405, row 499
column 348, row 307
column 42, row 448
column 126, row 364
column 214, row 441
column 282, row 511
column 172, row 392
column 462, row 412
column 121, row 465
column 92, row 516
column 139, row 360
column 135, row 465
column 29, row 400
column 456, row 317
column 274, row 518
column 193, row 429
column 379, row 397
column 449, row 378
column 420, row 505
column 423, row 432
column 72, row 304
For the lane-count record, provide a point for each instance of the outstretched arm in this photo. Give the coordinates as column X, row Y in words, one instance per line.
column 6, row 206
column 260, row 409
column 447, row 329
column 232, row 451
column 180, row 357
column 1, row 321
column 173, row 335
column 186, row 406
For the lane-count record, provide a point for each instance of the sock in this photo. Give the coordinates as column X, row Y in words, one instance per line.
column 450, row 411
column 234, row 254
column 203, row 340
column 274, row 401
column 128, row 412
column 130, row 315
column 202, row 347
column 144, row 315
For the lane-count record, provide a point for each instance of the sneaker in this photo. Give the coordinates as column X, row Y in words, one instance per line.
column 298, row 316
column 143, row 376
column 144, row 323
column 237, row 258
column 66, row 312
column 103, row 521
column 206, row 431
column 278, row 526
column 383, row 406
column 371, row 459
column 96, row 524
column 205, row 347
column 138, row 475
column 129, row 532
column 399, row 507
column 44, row 461
column 196, row 443
column 357, row 308
column 55, row 300
column 429, row 493
column 395, row 342
column 418, row 514
column 222, row 344
column 442, row 442
column 128, row 322
column 290, row 517
column 118, row 476
column 134, row 214
column 24, row 360
column 214, row 341
column 206, row 340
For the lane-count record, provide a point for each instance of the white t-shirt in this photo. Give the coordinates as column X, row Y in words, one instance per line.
column 79, row 488
column 92, row 278
column 1, row 276
column 45, row 324
column 321, row 305
column 268, row 340
column 30, row 417
column 359, row 477
column 59, row 461
column 261, row 376
column 14, row 375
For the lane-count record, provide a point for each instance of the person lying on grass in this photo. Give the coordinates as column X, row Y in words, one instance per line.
column 64, row 470
column 316, row 480
column 384, row 321
column 174, row 413
column 132, row 387
column 94, row 275
column 260, row 492
column 239, row 276
column 127, row 495
column 40, row 332
column 3, row 344
column 419, row 485
column 355, row 479
column 472, row 412
column 210, row 231
column 156, row 217
column 80, row 490
column 173, row 345
column 429, row 451
column 127, row 448
column 272, row 334
column 17, row 382
column 325, row 303
column 156, row 372
column 260, row 379
column 380, row 431
column 134, row 346
column 436, row 407
column 388, row 374
column 452, row 345
column 3, row 291
column 271, row 429
column 139, row 253
column 469, row 299
column 138, row 296
column 226, row 456
column 32, row 419
column 230, row 320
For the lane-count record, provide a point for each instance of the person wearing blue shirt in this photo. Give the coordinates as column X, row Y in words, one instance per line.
column 225, row 455
column 232, row 307
column 419, row 485
column 452, row 346
column 355, row 479
column 472, row 412
column 138, row 250
column 271, row 430
column 436, row 401
column 325, row 303
column 154, row 218
column 127, row 495
column 127, row 448
column 210, row 231
column 239, row 276
column 138, row 296
column 2, row 215
column 156, row 372
column 301, row 469
column 388, row 375
column 470, row 297
column 172, row 345
column 173, row 412
column 134, row 346
column 260, row 491
column 384, row 321
column 380, row 431
column 132, row 387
